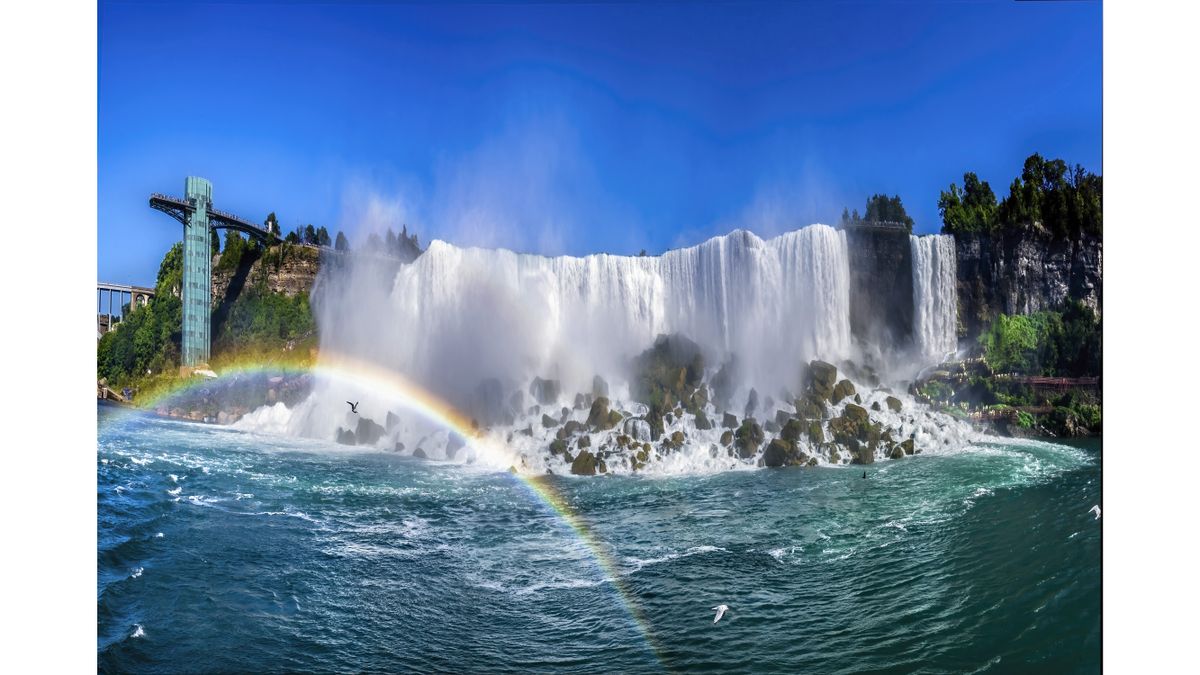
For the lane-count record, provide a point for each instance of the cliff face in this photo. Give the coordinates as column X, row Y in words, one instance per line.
column 287, row 269
column 881, row 285
column 1025, row 271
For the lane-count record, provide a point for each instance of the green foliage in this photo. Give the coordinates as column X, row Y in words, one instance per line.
column 1060, row 344
column 340, row 243
column 1024, row 420
column 1066, row 201
column 880, row 208
column 972, row 209
column 261, row 317
column 322, row 237
column 235, row 248
column 148, row 337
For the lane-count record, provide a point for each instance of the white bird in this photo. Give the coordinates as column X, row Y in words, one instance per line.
column 720, row 612
column 1096, row 510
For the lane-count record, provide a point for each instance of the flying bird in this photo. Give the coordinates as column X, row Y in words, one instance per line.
column 720, row 612
column 353, row 407
column 1096, row 510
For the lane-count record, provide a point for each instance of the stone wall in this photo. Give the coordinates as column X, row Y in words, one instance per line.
column 1024, row 271
column 881, row 285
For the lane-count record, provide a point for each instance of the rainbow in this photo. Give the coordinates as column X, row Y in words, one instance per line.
column 414, row 398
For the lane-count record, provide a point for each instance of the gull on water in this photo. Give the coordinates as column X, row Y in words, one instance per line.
column 1096, row 510
column 720, row 612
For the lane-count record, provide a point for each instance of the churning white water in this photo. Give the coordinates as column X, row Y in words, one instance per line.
column 935, row 295
column 457, row 316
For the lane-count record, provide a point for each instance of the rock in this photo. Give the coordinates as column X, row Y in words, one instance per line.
column 677, row 439
column 862, row 455
column 858, row 399
column 623, row 441
column 893, row 403
column 638, row 429
column 749, row 437
column 453, row 444
column 345, row 436
column 599, row 387
column 835, row 457
column 399, row 447
column 896, row 452
column 569, row 429
column 908, row 446
column 564, row 414
column 792, row 430
column 730, row 421
column 876, row 407
column 751, row 403
column 545, row 392
column 558, row 447
column 584, row 464
column 584, row 441
column 771, row 427
column 702, row 421
column 598, row 415
column 222, row 417
column 856, row 413
column 614, row 418
column 821, row 379
column 390, row 422
column 777, row 453
column 368, row 432
column 781, row 418
column 815, row 433
column 727, row 438
column 809, row 407
column 841, row 390
column 549, row 422
column 419, row 453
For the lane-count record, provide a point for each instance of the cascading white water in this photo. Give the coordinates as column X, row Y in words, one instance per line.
column 457, row 316
column 935, row 295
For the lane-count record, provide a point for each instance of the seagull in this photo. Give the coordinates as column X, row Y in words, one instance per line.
column 353, row 407
column 720, row 612
column 1096, row 510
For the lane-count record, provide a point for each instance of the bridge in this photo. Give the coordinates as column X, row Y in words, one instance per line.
column 195, row 211
column 138, row 297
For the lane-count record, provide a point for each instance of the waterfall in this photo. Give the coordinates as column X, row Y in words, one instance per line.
column 456, row 316
column 935, row 295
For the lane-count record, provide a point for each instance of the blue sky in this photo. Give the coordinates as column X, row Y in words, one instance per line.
column 557, row 128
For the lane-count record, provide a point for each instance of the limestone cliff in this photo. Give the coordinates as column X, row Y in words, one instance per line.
column 1024, row 271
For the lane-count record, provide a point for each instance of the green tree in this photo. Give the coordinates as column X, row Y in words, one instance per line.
column 341, row 243
column 322, row 236
column 972, row 209
column 881, row 208
column 310, row 235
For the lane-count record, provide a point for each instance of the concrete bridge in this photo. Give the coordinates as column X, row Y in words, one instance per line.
column 195, row 211
column 107, row 320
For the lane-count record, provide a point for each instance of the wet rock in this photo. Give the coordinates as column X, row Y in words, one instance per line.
column 749, row 438
column 876, row 407
column 777, row 453
column 896, row 452
column 345, row 436
column 908, row 446
column 545, row 392
column 815, row 433
column 599, row 387
column 419, row 453
column 822, row 377
column 729, row 421
column 792, row 430
column 702, row 422
column 598, row 415
column 781, row 418
column 399, row 447
column 614, row 418
column 584, row 441
column 810, row 407
column 564, row 414
column 584, row 464
column 528, row 430
column 549, row 422
column 861, row 454
column 677, row 439
column 856, row 413
column 623, row 441
column 569, row 429
column 390, row 422
column 893, row 403
column 638, row 429
column 558, row 447
column 771, row 427
column 751, row 403
column 858, row 399
column 727, row 438
column 368, row 432
column 841, row 390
